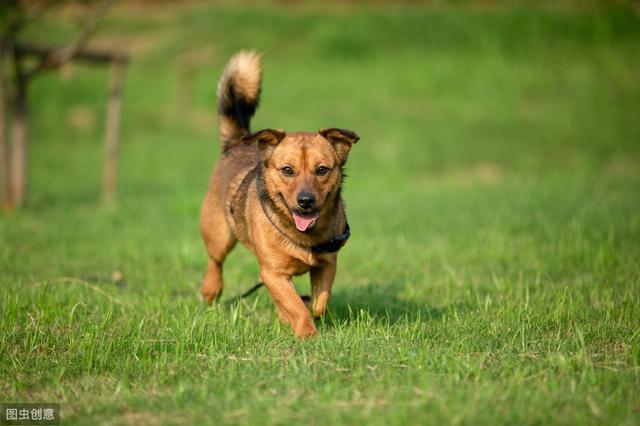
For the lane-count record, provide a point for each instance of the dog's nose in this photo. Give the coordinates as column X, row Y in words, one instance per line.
column 306, row 199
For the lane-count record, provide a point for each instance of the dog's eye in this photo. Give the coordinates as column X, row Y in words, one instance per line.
column 321, row 171
column 287, row 171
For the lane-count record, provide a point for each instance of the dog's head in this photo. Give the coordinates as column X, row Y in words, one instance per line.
column 303, row 171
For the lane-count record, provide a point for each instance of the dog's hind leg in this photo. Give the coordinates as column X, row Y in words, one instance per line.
column 212, row 285
column 219, row 241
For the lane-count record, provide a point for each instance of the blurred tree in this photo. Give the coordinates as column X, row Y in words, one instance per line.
column 16, row 73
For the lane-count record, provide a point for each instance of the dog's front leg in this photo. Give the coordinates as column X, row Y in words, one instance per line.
column 321, row 283
column 288, row 303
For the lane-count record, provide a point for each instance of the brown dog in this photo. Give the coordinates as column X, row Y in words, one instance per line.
column 279, row 194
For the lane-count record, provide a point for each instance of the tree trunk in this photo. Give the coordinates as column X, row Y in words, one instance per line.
column 114, row 106
column 5, row 185
column 18, row 179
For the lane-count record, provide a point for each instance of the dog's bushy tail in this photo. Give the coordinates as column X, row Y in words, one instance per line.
column 238, row 96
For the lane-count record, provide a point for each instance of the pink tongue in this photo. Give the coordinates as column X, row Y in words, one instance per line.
column 304, row 221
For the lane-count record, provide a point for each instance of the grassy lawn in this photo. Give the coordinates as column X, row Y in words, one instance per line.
column 493, row 274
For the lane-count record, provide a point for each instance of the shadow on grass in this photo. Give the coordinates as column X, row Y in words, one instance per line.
column 376, row 302
column 381, row 303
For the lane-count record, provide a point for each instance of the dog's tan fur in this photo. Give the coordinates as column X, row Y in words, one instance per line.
column 251, row 199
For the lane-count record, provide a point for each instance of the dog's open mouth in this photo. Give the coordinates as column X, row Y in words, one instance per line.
column 305, row 221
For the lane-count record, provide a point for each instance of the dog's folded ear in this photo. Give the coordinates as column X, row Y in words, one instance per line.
column 267, row 139
column 341, row 140
column 339, row 135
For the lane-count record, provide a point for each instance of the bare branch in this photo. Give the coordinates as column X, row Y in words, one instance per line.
column 64, row 54
column 88, row 55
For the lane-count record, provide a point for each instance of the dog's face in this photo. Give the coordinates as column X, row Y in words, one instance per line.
column 303, row 171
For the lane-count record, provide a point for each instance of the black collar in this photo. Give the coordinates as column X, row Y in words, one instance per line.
column 333, row 244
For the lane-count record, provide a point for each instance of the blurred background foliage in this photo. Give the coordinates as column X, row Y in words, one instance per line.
column 498, row 108
column 486, row 106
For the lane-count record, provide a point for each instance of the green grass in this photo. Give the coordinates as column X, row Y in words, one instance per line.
column 494, row 269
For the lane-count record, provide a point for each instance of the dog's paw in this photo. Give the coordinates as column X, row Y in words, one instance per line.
column 210, row 296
